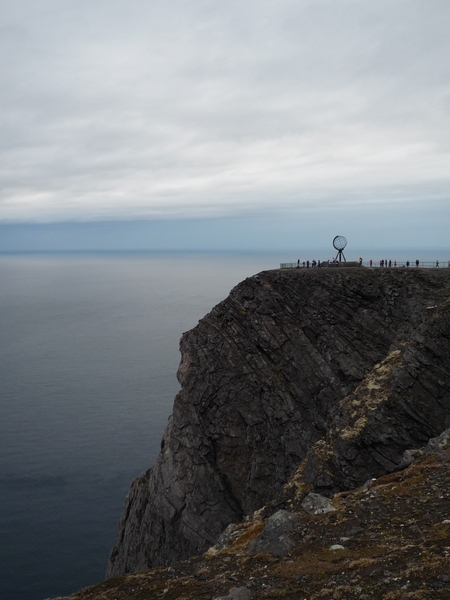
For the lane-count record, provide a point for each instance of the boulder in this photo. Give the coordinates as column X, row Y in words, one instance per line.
column 315, row 504
column 275, row 537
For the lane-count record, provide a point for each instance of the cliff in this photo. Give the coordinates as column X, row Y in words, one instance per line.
column 301, row 380
column 386, row 540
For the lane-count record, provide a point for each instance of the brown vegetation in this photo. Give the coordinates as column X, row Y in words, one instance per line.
column 396, row 538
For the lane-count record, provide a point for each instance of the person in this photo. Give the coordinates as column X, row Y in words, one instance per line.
column 298, row 264
column 390, row 263
column 395, row 263
column 370, row 262
column 307, row 264
column 382, row 263
column 360, row 261
column 304, row 264
column 417, row 263
column 437, row 264
column 407, row 263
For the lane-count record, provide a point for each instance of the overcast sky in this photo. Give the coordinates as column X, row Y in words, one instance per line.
column 310, row 110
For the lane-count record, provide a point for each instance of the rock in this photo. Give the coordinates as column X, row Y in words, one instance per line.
column 241, row 593
column 337, row 547
column 274, row 538
column 225, row 537
column 436, row 444
column 354, row 531
column 315, row 504
column 411, row 455
column 341, row 370
column 203, row 574
column 368, row 485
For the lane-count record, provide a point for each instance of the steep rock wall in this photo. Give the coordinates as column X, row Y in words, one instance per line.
column 297, row 367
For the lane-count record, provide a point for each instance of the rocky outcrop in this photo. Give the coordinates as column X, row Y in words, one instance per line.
column 322, row 376
column 275, row 537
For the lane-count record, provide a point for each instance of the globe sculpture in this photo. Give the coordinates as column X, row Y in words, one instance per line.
column 339, row 242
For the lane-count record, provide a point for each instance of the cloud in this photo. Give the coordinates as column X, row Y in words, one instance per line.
column 136, row 109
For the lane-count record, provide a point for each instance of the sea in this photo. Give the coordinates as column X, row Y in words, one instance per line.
column 88, row 360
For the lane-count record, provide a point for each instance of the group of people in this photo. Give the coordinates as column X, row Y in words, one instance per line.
column 383, row 263
column 386, row 263
column 306, row 264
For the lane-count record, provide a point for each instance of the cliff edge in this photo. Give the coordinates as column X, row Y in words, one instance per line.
column 301, row 380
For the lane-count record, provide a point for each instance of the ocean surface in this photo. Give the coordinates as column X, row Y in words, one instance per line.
column 88, row 360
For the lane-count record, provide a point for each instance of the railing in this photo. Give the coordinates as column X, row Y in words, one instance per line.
column 394, row 265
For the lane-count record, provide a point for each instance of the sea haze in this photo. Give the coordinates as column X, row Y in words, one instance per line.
column 89, row 353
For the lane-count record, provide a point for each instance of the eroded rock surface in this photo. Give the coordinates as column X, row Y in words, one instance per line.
column 338, row 372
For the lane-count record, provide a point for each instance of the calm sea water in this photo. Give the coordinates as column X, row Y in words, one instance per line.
column 88, row 360
column 88, row 357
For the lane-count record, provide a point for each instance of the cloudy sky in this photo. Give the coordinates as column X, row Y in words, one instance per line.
column 271, row 117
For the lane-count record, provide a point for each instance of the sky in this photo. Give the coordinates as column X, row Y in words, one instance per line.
column 213, row 124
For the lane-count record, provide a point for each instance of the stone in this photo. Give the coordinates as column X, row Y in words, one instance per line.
column 275, row 537
column 225, row 537
column 337, row 547
column 411, row 455
column 241, row 593
column 315, row 504
column 436, row 444
column 353, row 531
column 368, row 485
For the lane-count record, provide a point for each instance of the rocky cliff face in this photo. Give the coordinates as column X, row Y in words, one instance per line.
column 300, row 380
